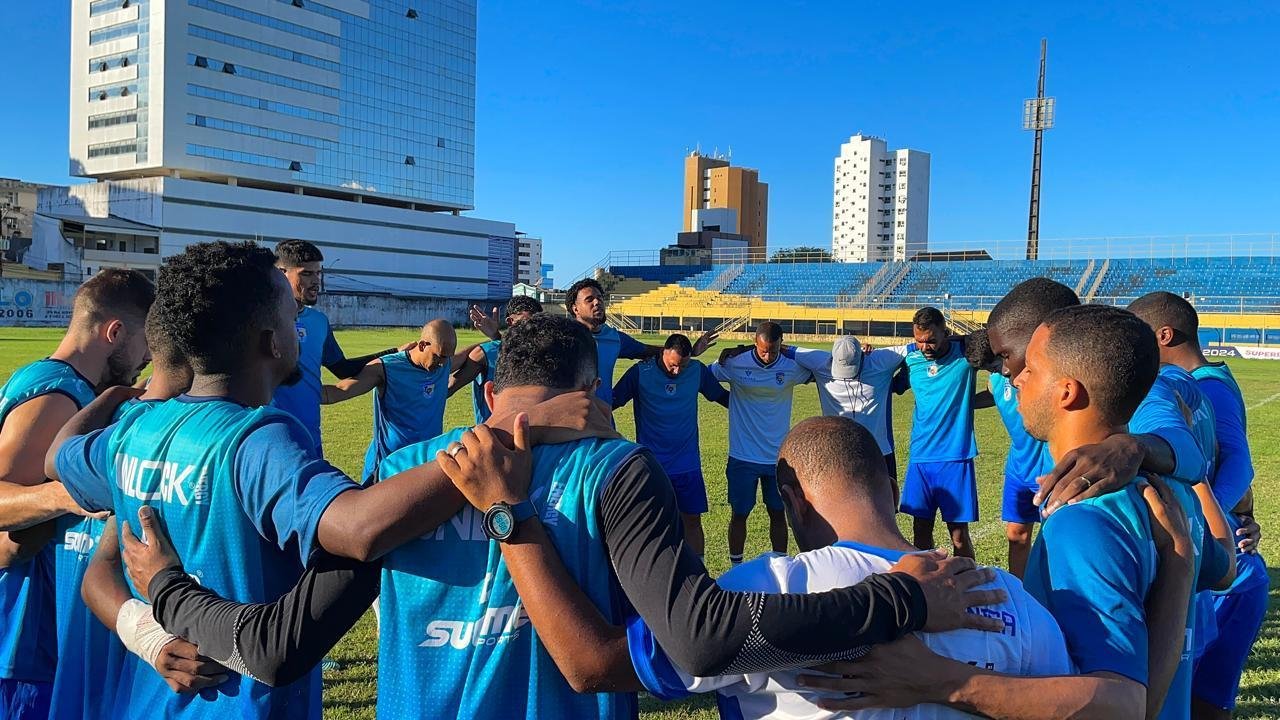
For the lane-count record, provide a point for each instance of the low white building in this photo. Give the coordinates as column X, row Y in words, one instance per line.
column 368, row 248
column 881, row 202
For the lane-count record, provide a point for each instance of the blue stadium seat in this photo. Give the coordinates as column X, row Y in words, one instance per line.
column 979, row 284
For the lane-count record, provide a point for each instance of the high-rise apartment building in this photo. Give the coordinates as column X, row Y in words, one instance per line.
column 711, row 182
column 881, row 208
column 348, row 123
column 529, row 260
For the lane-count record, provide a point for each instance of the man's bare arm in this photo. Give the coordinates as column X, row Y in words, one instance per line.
column 369, row 377
column 906, row 673
column 365, row 524
column 1167, row 600
column 103, row 588
column 467, row 370
column 29, row 430
column 94, row 416
column 590, row 651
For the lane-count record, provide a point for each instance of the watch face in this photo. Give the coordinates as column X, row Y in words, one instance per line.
column 499, row 523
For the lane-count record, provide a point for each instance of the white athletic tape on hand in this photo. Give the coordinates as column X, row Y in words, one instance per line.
column 140, row 632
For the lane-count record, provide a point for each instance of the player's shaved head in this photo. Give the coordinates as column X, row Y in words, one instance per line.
column 1021, row 311
column 1013, row 320
column 1110, row 351
column 1164, row 309
column 437, row 342
column 834, row 454
column 440, row 331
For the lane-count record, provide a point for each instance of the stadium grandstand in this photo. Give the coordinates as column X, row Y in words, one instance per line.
column 1233, row 280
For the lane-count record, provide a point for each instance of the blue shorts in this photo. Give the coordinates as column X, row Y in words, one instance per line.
column 25, row 700
column 1240, row 614
column 1017, row 504
column 691, row 492
column 950, row 487
column 743, row 478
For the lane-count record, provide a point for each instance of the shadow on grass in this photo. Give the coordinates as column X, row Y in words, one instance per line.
column 688, row 707
column 1262, row 699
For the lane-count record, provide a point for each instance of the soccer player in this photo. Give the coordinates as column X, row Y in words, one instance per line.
column 1119, row 584
column 239, row 486
column 1240, row 610
column 760, row 385
column 300, row 262
column 1160, row 441
column 607, row 508
column 857, row 385
column 585, row 300
column 940, row 477
column 482, row 361
column 630, row 505
column 665, row 390
column 104, row 345
column 90, row 655
column 1111, row 358
column 840, row 503
column 410, row 390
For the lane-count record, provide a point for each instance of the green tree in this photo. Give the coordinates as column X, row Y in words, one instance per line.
column 802, row 253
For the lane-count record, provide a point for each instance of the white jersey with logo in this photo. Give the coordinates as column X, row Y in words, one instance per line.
column 1031, row 643
column 864, row 399
column 759, row 404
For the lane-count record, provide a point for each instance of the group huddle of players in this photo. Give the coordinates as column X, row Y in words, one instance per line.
column 185, row 550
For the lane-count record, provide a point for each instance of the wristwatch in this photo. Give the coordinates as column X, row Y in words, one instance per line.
column 501, row 519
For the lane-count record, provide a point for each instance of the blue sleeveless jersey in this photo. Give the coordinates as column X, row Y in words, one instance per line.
column 91, row 657
column 407, row 408
column 228, row 519
column 27, row 650
column 942, row 422
column 456, row 640
column 1028, row 457
column 490, row 372
column 612, row 344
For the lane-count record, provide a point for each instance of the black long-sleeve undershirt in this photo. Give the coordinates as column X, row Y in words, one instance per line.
column 350, row 367
column 704, row 629
column 274, row 643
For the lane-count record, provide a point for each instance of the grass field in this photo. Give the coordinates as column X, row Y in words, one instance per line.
column 350, row 692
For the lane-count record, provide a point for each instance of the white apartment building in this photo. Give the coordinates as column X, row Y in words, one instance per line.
column 348, row 123
column 881, row 207
column 529, row 260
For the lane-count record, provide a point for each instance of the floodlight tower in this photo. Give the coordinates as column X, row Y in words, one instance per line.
column 1037, row 115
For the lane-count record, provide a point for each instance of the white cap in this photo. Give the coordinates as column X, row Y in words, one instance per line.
column 846, row 358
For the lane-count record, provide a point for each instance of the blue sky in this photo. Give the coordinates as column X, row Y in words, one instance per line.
column 1167, row 116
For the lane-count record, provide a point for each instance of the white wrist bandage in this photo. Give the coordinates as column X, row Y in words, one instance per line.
column 140, row 632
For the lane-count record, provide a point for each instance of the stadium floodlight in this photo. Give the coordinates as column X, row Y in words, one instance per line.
column 1037, row 115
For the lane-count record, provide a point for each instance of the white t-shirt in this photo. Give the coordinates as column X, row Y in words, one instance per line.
column 759, row 404
column 1031, row 643
column 864, row 399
